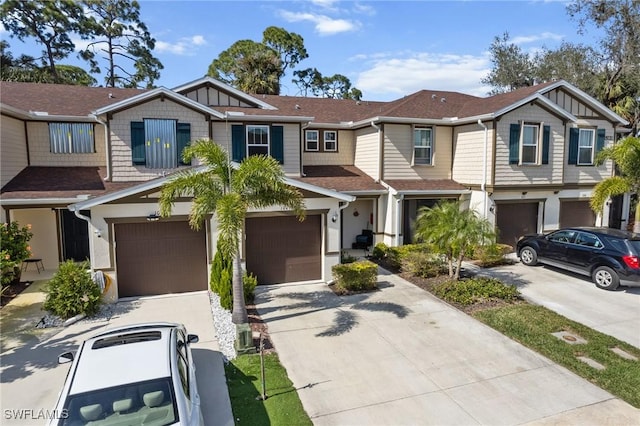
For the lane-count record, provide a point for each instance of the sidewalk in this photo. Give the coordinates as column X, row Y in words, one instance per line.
column 400, row 356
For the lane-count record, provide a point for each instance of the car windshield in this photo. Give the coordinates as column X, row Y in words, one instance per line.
column 149, row 403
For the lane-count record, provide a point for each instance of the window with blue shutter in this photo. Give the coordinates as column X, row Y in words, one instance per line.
column 138, row 143
column 546, row 136
column 238, row 147
column 514, row 143
column 277, row 143
column 183, row 139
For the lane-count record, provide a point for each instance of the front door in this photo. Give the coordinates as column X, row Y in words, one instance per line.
column 75, row 236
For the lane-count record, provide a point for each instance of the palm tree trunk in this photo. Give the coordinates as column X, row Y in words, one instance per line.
column 239, row 313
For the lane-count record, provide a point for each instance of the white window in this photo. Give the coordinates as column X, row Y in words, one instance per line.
column 422, row 146
column 71, row 138
column 311, row 139
column 585, row 146
column 330, row 141
column 257, row 140
column 530, row 144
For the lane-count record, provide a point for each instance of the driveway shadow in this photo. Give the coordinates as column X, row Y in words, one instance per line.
column 212, row 387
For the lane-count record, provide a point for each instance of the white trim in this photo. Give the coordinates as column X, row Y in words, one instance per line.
column 317, row 141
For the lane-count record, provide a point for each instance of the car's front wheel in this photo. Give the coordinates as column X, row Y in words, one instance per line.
column 528, row 256
column 606, row 278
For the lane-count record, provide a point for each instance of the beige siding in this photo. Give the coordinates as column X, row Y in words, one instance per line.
column 589, row 174
column 14, row 148
column 123, row 169
column 468, row 154
column 222, row 136
column 210, row 96
column 344, row 155
column 571, row 104
column 41, row 155
column 398, row 154
column 367, row 151
column 513, row 174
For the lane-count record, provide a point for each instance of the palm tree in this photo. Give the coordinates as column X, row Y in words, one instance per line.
column 626, row 156
column 452, row 232
column 228, row 191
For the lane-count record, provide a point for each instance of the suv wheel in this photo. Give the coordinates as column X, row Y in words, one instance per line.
column 528, row 256
column 605, row 278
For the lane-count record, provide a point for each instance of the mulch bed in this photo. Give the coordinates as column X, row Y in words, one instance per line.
column 12, row 290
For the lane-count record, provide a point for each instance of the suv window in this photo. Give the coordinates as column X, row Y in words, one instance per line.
column 588, row 240
column 183, row 364
column 562, row 236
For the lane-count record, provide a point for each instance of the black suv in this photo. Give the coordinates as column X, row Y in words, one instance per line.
column 609, row 256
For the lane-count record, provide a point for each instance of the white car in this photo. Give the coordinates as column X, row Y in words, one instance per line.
column 133, row 375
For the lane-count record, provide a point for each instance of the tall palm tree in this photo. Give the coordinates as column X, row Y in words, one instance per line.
column 228, row 191
column 452, row 232
column 626, row 156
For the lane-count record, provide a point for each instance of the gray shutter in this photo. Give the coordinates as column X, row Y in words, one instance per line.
column 514, row 143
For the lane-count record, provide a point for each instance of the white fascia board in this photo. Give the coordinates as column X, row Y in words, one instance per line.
column 14, row 111
column 142, row 97
column 268, row 118
column 593, row 102
column 336, row 126
column 319, row 190
column 539, row 98
column 365, row 192
column 36, row 201
column 433, row 191
column 225, row 87
column 38, row 116
column 404, row 120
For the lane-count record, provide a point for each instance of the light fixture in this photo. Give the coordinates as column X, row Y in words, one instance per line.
column 524, row 192
column 334, row 218
column 153, row 217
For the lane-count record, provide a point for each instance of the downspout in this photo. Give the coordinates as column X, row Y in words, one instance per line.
column 106, row 147
column 302, row 138
column 381, row 147
column 398, row 218
column 483, row 185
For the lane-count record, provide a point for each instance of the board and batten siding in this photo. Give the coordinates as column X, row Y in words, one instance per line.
column 398, row 154
column 122, row 165
column 221, row 134
column 542, row 174
column 343, row 157
column 468, row 154
column 589, row 174
column 367, row 151
column 40, row 148
column 211, row 96
column 572, row 104
column 14, row 148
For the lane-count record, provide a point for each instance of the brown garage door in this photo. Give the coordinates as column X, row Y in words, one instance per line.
column 576, row 213
column 515, row 220
column 282, row 249
column 160, row 257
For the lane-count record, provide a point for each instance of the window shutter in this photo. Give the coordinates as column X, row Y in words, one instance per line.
column 277, row 143
column 574, row 135
column 600, row 140
column 137, row 143
column 514, row 143
column 546, row 134
column 183, row 140
column 238, row 145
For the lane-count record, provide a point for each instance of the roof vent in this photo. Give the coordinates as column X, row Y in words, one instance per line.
column 111, row 96
column 358, row 102
column 443, row 100
column 297, row 106
column 434, row 96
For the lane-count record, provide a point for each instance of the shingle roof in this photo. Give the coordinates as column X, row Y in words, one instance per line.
column 340, row 178
column 403, row 185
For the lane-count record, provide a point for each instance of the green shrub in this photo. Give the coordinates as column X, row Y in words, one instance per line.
column 249, row 284
column 380, row 251
column 491, row 254
column 347, row 258
column 475, row 290
column 14, row 241
column 356, row 276
column 395, row 255
column 423, row 264
column 71, row 291
column 220, row 280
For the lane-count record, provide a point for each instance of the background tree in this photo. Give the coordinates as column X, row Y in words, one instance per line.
column 626, row 155
column 119, row 36
column 580, row 65
column 228, row 192
column 49, row 22
column 452, row 232
column 337, row 86
column 512, row 68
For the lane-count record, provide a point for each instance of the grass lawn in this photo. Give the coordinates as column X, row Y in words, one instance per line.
column 532, row 326
column 282, row 405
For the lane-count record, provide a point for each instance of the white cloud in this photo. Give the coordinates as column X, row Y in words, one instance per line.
column 185, row 46
column 389, row 78
column 536, row 38
column 324, row 25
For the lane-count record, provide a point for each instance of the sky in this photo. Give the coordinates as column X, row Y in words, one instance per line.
column 387, row 49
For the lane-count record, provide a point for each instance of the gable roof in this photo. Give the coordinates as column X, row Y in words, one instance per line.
column 217, row 84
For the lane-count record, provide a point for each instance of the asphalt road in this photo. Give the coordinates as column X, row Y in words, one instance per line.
column 616, row 313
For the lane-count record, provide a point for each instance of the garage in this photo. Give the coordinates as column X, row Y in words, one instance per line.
column 515, row 220
column 576, row 213
column 159, row 258
column 282, row 249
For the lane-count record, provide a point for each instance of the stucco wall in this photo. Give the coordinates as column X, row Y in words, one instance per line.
column 44, row 244
column 14, row 148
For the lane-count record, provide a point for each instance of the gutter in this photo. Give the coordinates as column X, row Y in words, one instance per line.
column 380, row 150
column 483, row 185
column 302, row 141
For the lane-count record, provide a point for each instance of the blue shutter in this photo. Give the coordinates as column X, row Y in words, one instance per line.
column 238, row 145
column 183, row 140
column 514, row 143
column 546, row 134
column 600, row 141
column 137, row 143
column 574, row 136
column 277, row 143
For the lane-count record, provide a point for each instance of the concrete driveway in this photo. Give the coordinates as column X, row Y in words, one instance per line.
column 400, row 356
column 616, row 313
column 31, row 377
